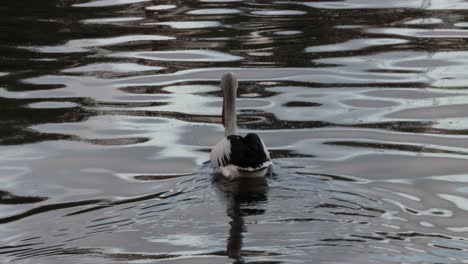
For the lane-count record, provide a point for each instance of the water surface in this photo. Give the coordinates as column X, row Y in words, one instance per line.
column 109, row 110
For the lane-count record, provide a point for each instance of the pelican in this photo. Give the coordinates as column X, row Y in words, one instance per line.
column 236, row 156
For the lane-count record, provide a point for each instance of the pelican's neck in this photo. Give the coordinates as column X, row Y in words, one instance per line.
column 229, row 85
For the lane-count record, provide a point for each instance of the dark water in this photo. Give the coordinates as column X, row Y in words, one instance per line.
column 109, row 108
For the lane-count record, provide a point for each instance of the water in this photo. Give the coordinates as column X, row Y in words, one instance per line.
column 109, row 110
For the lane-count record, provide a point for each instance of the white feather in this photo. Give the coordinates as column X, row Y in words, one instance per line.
column 220, row 152
column 264, row 165
column 233, row 172
column 266, row 151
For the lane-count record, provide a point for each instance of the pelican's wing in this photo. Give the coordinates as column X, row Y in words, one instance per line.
column 249, row 152
column 221, row 153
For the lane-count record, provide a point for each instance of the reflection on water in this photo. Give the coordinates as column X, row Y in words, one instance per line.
column 241, row 198
column 109, row 110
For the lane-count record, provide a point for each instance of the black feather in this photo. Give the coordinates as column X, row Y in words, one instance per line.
column 247, row 151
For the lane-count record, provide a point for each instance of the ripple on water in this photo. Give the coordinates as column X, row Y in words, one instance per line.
column 393, row 4
column 104, row 3
column 189, row 24
column 181, row 55
column 288, row 32
column 461, row 24
column 356, row 44
column 52, row 104
column 160, row 7
column 423, row 21
column 112, row 67
column 421, row 33
column 84, row 45
column 279, row 13
column 440, row 69
column 214, row 11
column 111, row 20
